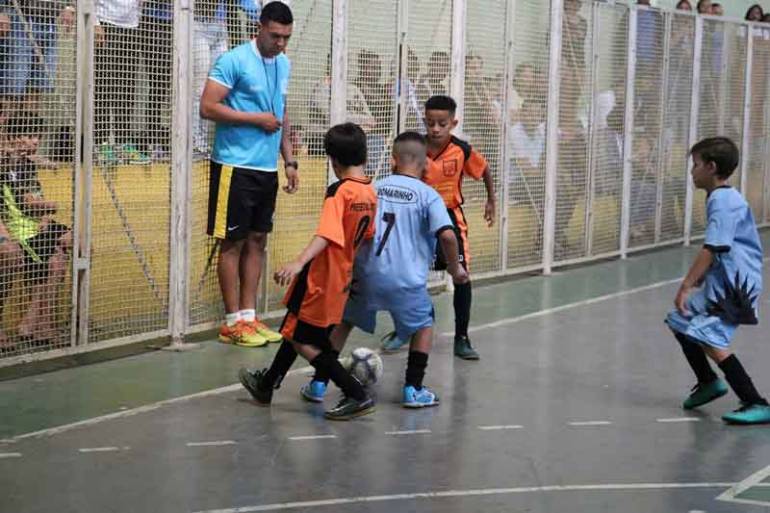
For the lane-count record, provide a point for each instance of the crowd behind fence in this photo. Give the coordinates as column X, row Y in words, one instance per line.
column 584, row 110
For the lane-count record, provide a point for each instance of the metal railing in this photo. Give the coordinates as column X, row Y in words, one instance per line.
column 585, row 118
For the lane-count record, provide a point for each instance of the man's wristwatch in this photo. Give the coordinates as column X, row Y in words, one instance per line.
column 292, row 163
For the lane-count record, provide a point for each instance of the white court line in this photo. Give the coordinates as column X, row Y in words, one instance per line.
column 590, row 423
column 237, row 386
column 312, row 437
column 140, row 409
column 568, row 306
column 548, row 311
column 98, row 449
column 409, row 432
column 10, row 455
column 678, row 419
column 466, row 493
column 751, row 481
column 217, row 443
column 496, row 428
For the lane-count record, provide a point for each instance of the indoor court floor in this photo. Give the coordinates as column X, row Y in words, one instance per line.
column 574, row 407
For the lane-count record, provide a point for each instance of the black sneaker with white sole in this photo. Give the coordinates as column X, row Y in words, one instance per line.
column 349, row 408
column 251, row 379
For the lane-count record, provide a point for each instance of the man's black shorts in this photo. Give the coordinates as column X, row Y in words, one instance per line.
column 240, row 201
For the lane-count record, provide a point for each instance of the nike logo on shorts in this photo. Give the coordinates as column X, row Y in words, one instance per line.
column 231, row 228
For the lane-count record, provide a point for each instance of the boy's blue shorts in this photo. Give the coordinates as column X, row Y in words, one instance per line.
column 699, row 325
column 411, row 311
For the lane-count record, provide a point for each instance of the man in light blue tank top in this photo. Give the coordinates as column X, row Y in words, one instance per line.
column 246, row 96
column 391, row 273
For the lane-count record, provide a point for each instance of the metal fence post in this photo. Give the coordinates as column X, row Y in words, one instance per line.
column 552, row 133
column 628, row 133
column 84, row 153
column 457, row 77
column 339, row 71
column 181, row 173
column 505, row 157
column 693, row 136
column 662, row 143
column 591, row 129
column 746, row 135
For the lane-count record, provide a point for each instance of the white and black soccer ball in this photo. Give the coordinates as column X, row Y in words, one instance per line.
column 365, row 366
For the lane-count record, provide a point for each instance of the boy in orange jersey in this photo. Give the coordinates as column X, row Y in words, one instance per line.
column 449, row 159
column 320, row 279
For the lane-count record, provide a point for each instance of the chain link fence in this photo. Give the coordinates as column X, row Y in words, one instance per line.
column 105, row 171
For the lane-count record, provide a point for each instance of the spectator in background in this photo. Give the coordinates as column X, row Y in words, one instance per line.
column 704, row 7
column 755, row 13
column 481, row 120
column 649, row 48
column 526, row 141
column 684, row 5
column 155, row 36
column 209, row 42
column 406, row 89
column 434, row 81
column 42, row 244
column 369, row 81
column 528, row 84
column 30, row 63
column 717, row 10
column 117, row 41
column 235, row 11
column 320, row 100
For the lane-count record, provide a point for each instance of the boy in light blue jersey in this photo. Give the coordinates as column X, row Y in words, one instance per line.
column 729, row 267
column 391, row 273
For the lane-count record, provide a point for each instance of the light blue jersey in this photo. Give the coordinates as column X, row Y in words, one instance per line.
column 256, row 84
column 734, row 281
column 409, row 216
column 732, row 285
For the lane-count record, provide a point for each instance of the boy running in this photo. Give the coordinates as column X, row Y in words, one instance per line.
column 729, row 266
column 392, row 273
column 449, row 159
column 320, row 279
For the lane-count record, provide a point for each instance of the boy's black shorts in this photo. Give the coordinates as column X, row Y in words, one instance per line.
column 240, row 201
column 44, row 245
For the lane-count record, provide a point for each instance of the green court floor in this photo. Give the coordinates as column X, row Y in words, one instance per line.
column 66, row 396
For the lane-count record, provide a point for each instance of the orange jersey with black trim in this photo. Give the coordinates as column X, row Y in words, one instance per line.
column 444, row 171
column 318, row 294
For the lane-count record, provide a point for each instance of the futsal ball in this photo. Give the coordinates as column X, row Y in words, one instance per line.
column 366, row 366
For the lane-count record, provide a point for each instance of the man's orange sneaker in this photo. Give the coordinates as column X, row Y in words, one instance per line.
column 262, row 329
column 242, row 334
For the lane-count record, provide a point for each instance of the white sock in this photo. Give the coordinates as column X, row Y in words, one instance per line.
column 232, row 318
column 248, row 315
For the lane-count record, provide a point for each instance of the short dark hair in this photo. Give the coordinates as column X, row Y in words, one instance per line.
column 24, row 124
column 721, row 151
column 278, row 12
column 346, row 143
column 410, row 136
column 441, row 102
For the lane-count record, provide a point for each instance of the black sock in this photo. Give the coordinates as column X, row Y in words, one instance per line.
column 697, row 359
column 462, row 304
column 740, row 381
column 323, row 374
column 326, row 362
column 282, row 362
column 415, row 368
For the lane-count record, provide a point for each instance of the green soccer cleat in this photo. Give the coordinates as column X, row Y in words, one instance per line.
column 464, row 350
column 749, row 414
column 704, row 393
